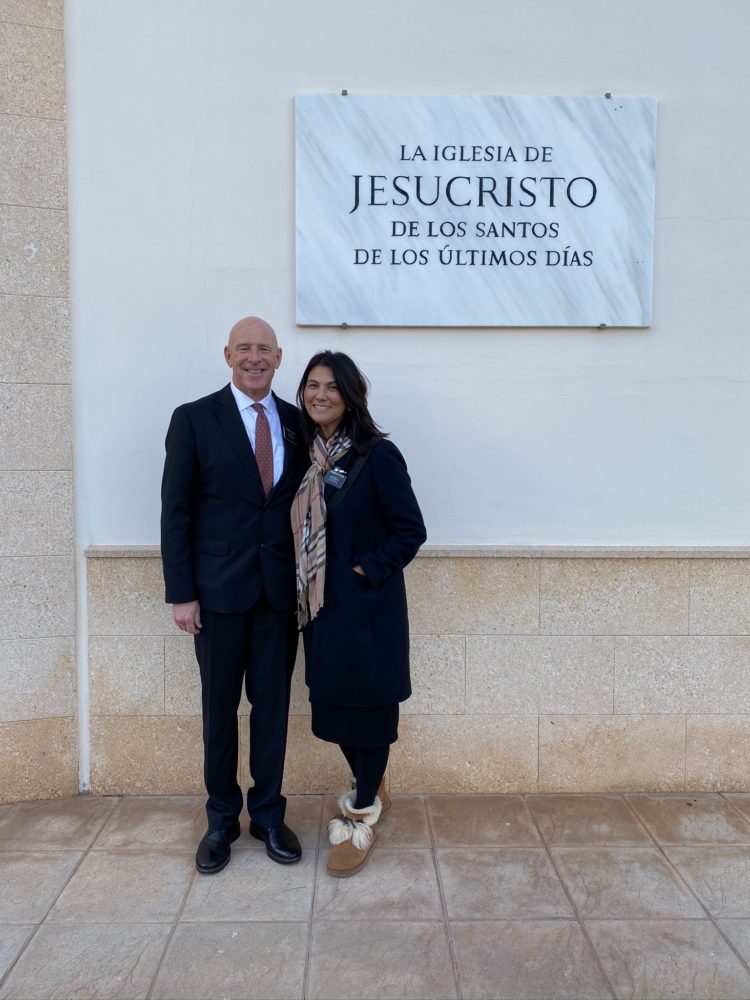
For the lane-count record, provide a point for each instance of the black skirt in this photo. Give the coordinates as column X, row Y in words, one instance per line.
column 351, row 726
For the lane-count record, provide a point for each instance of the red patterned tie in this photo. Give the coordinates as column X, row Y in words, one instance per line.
column 263, row 448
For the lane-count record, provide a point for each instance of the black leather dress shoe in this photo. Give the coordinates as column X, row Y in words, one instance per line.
column 214, row 851
column 281, row 843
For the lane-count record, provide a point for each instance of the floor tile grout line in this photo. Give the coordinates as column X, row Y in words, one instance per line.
column 48, row 849
column 30, row 937
column 576, row 914
column 62, row 889
column 107, row 820
column 447, row 929
column 172, row 932
column 673, row 867
column 571, row 919
column 733, row 807
column 308, row 952
column 133, row 850
column 364, row 920
column 714, row 922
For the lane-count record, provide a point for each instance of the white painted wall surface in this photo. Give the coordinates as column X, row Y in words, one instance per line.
column 182, row 220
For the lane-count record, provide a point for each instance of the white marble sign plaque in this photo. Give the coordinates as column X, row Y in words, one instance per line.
column 474, row 211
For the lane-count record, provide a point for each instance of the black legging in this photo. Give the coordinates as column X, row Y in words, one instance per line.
column 368, row 766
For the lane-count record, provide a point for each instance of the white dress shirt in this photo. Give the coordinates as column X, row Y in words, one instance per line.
column 249, row 417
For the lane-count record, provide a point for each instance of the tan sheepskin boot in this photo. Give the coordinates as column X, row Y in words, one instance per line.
column 352, row 835
column 385, row 799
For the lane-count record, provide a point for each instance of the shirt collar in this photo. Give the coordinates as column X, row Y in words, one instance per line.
column 243, row 401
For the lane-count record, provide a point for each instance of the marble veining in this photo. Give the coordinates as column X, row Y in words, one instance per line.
column 474, row 211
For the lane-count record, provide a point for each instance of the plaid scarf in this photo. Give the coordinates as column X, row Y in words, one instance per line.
column 309, row 524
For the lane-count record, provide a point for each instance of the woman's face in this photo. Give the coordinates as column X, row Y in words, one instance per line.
column 323, row 401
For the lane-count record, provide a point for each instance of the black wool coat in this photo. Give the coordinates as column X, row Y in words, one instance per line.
column 357, row 647
column 222, row 540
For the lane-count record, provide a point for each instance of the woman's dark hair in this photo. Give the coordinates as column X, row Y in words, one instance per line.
column 352, row 385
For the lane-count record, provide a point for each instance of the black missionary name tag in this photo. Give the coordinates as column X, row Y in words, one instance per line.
column 335, row 477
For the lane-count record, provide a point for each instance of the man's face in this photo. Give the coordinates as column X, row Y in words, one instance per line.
column 253, row 355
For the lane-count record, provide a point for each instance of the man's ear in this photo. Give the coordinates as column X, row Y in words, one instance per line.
column 228, row 356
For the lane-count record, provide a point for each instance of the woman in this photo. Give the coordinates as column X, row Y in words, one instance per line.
column 356, row 525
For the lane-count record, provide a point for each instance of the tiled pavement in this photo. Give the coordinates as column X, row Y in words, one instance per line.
column 465, row 896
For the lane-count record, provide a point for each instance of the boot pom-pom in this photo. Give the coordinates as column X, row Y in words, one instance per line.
column 361, row 835
column 339, row 830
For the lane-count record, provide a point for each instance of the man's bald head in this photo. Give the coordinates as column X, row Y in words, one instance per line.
column 253, row 354
column 249, row 326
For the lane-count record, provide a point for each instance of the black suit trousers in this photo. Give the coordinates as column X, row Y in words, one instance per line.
column 258, row 646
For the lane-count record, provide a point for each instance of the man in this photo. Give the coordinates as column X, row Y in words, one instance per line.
column 234, row 462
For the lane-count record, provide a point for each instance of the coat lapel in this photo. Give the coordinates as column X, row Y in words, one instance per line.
column 231, row 424
column 290, row 434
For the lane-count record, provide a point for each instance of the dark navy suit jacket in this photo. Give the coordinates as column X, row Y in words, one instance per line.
column 222, row 539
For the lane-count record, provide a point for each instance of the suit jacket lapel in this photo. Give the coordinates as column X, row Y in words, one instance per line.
column 290, row 446
column 231, row 423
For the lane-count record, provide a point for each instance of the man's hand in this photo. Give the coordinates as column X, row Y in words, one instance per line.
column 187, row 617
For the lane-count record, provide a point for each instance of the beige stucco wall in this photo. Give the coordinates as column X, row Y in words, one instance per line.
column 38, row 732
column 532, row 672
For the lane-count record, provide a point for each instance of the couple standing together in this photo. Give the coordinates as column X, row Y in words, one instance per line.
column 258, row 494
